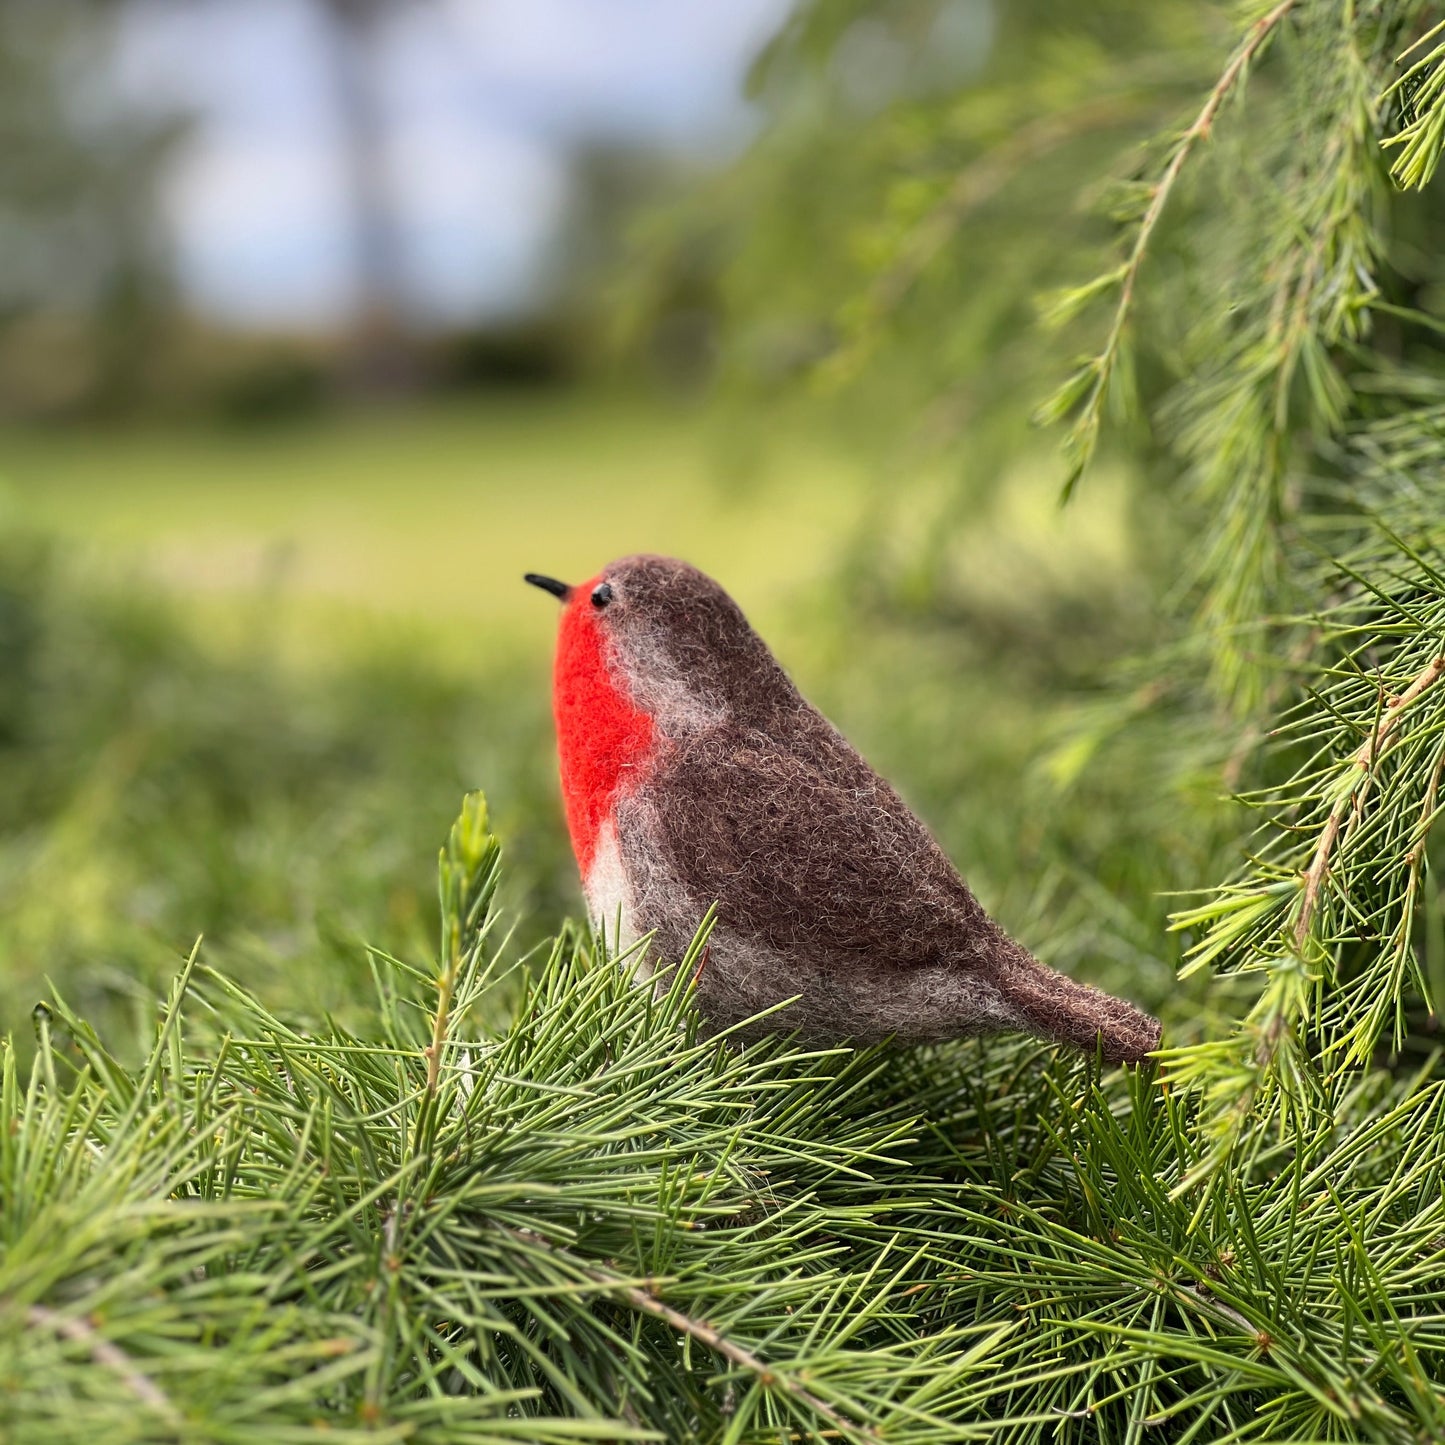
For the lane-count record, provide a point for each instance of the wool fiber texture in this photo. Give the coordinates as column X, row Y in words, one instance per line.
column 602, row 738
column 732, row 790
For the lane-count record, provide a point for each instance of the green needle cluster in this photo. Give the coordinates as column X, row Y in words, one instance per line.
column 538, row 1205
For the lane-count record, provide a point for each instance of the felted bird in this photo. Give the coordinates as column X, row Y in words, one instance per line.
column 695, row 774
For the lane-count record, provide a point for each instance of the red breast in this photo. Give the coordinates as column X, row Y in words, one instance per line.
column 604, row 743
column 694, row 772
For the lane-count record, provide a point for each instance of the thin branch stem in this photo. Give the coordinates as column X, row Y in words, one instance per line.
column 982, row 179
column 735, row 1354
column 1201, row 1294
column 704, row 1334
column 1363, row 759
column 433, row 1051
column 103, row 1352
column 1239, row 62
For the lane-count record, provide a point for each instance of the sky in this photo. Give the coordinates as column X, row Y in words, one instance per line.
column 485, row 100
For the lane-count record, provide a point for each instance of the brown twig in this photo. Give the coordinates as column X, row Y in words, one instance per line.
column 1248, row 48
column 446, row 984
column 103, row 1352
column 702, row 962
column 1201, row 1294
column 704, row 1334
column 1363, row 759
column 735, row 1354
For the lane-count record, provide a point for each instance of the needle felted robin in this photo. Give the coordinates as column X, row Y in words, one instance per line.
column 695, row 774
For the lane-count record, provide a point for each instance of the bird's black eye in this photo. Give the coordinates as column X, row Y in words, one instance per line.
column 601, row 595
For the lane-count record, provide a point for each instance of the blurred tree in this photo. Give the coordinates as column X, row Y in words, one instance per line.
column 383, row 358
column 381, row 352
column 613, row 189
column 83, row 274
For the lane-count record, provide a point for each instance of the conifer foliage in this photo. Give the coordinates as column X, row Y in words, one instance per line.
column 572, row 1218
column 535, row 1204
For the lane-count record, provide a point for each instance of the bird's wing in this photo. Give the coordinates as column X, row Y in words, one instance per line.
column 807, row 849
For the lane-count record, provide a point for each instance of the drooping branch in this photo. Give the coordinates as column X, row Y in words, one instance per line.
column 1259, row 32
column 1103, row 365
column 982, row 180
column 1363, row 760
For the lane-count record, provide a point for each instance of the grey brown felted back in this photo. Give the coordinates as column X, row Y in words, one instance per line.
column 826, row 884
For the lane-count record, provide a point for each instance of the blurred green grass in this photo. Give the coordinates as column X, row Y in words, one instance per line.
column 434, row 512
column 250, row 675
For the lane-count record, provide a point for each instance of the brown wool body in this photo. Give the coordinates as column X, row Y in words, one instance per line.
column 743, row 796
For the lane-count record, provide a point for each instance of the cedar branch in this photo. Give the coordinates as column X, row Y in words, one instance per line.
column 446, row 987
column 1363, row 760
column 1248, row 48
column 433, row 1051
column 703, row 1333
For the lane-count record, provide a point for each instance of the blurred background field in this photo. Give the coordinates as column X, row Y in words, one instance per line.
column 323, row 320
column 433, row 510
column 248, row 676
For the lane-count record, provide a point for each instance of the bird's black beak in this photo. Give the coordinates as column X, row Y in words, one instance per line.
column 560, row 590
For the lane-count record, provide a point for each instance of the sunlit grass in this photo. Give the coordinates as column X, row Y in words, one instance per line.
column 165, row 789
column 436, row 511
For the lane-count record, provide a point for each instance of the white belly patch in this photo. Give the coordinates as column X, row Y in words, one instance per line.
column 609, row 899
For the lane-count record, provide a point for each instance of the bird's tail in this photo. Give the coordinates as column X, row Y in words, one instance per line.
column 1053, row 1006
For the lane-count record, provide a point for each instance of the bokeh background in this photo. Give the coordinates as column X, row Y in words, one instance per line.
column 323, row 320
